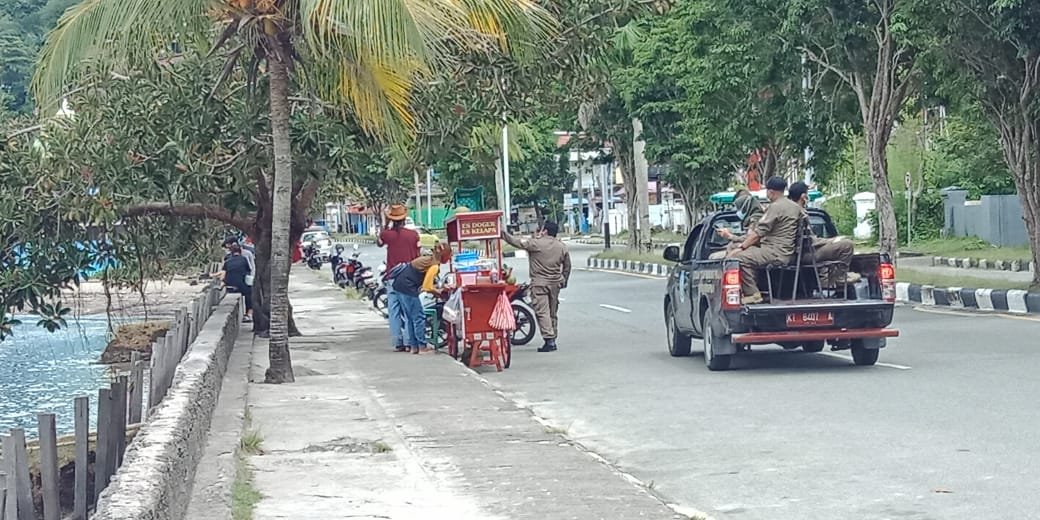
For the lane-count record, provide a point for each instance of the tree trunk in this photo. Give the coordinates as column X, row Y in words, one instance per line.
column 623, row 153
column 877, row 159
column 281, row 370
column 642, row 180
column 1020, row 143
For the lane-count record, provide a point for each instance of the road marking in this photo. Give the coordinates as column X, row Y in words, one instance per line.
column 623, row 273
column 988, row 314
column 849, row 359
column 615, row 308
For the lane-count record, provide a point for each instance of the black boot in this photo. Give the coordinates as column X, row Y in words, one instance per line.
column 550, row 346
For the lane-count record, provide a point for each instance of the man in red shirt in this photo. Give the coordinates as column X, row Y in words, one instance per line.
column 402, row 246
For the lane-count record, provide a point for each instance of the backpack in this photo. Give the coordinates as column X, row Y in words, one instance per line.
column 396, row 271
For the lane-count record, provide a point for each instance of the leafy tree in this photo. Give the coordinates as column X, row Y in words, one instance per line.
column 351, row 54
column 871, row 48
column 16, row 62
column 991, row 53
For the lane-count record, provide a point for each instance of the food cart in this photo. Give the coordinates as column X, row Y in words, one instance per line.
column 479, row 278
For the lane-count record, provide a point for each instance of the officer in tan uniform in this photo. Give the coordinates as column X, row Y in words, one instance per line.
column 749, row 210
column 550, row 269
column 827, row 249
column 771, row 241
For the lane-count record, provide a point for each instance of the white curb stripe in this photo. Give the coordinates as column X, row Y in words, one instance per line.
column 1017, row 302
column 953, row 295
column 927, row 295
column 902, row 291
column 984, row 299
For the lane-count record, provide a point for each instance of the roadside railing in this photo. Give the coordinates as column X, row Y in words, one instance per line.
column 71, row 475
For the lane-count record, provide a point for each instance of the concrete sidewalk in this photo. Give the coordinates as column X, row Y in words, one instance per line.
column 369, row 433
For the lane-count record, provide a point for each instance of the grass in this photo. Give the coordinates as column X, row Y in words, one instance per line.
column 352, row 293
column 628, row 254
column 244, row 495
column 381, row 447
column 252, row 442
column 969, row 247
column 555, row 430
column 918, row 277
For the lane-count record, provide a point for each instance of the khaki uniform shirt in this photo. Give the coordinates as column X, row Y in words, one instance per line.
column 548, row 257
column 778, row 226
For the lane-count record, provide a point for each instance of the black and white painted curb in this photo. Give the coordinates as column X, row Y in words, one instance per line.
column 982, row 263
column 356, row 240
column 630, row 266
column 1012, row 301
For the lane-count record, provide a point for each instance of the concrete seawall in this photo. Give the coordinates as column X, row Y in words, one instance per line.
column 155, row 480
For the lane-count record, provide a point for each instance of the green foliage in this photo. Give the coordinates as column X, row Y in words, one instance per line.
column 969, row 156
column 842, row 210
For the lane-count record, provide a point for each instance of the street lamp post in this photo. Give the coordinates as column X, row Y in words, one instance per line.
column 507, row 211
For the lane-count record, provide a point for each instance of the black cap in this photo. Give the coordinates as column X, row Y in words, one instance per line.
column 776, row 184
column 796, row 190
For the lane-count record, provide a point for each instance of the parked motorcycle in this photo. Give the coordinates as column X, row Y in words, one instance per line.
column 347, row 273
column 335, row 260
column 313, row 257
column 526, row 325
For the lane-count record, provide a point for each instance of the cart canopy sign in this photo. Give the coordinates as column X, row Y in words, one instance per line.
column 478, row 225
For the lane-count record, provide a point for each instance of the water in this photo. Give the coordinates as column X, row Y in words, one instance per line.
column 42, row 371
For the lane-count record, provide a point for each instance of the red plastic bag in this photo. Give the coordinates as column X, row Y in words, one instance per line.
column 502, row 316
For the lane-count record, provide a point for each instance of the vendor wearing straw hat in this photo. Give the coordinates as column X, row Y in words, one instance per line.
column 402, row 246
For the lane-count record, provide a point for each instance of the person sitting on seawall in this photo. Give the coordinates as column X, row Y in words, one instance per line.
column 770, row 242
column 827, row 249
column 236, row 269
column 413, row 278
column 749, row 211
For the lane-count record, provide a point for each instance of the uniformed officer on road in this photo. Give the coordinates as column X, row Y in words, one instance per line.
column 771, row 241
column 550, row 269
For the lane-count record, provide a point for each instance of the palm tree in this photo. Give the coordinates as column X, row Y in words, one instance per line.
column 363, row 55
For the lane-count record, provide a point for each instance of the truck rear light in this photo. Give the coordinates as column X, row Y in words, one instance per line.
column 887, row 278
column 731, row 289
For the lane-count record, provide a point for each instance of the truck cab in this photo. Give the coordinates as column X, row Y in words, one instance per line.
column 703, row 300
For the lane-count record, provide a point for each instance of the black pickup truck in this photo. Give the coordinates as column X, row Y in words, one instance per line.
column 703, row 300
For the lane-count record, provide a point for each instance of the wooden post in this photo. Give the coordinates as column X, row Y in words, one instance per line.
column 3, row 495
column 136, row 387
column 82, row 500
column 170, row 366
column 178, row 319
column 155, row 375
column 119, row 420
column 22, row 485
column 48, row 441
column 103, row 450
column 10, row 511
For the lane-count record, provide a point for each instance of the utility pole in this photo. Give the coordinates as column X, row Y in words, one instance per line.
column 608, row 196
column 429, row 197
column 507, row 210
column 418, row 196
column 806, row 89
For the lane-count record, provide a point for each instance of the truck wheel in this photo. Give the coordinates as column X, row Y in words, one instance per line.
column 678, row 343
column 813, row 346
column 862, row 355
column 712, row 361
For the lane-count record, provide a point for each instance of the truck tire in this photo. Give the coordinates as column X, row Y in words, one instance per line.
column 813, row 346
column 678, row 343
column 862, row 355
column 711, row 360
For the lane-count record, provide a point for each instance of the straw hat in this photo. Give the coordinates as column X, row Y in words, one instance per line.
column 397, row 212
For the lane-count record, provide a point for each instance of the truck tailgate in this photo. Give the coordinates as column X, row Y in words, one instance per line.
column 816, row 320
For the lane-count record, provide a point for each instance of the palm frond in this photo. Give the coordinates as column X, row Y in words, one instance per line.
column 392, row 45
column 115, row 33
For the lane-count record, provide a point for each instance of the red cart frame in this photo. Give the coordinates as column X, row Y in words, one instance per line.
column 480, row 292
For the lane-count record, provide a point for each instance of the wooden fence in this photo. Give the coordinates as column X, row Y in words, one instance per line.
column 71, row 475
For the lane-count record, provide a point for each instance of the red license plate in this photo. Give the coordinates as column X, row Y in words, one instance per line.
column 810, row 319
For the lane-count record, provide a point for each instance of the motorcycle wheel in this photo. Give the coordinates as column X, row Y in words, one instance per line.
column 526, row 326
column 380, row 303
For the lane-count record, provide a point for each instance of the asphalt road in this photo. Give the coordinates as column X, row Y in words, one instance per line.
column 945, row 428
